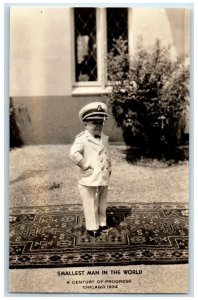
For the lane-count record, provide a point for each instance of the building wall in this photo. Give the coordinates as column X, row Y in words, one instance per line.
column 54, row 119
column 40, row 52
column 41, row 67
column 170, row 25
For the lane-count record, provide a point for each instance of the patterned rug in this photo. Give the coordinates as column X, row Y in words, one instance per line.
column 55, row 236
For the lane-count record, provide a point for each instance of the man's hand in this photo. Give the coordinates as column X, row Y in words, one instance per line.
column 89, row 168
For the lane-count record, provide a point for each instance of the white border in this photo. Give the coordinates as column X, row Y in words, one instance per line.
column 2, row 146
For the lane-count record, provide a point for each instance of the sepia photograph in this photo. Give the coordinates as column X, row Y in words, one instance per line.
column 99, row 124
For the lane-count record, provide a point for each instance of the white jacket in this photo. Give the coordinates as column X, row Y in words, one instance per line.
column 87, row 151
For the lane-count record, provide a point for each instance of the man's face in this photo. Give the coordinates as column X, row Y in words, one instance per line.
column 94, row 127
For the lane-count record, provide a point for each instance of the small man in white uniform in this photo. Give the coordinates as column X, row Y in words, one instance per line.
column 90, row 153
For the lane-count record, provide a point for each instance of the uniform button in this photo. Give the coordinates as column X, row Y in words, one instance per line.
column 102, row 168
column 101, row 160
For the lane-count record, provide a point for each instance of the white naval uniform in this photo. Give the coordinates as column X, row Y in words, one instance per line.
column 87, row 151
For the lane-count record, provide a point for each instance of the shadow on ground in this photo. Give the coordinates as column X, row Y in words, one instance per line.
column 169, row 156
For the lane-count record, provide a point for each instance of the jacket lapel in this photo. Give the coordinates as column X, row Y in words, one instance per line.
column 99, row 143
column 92, row 139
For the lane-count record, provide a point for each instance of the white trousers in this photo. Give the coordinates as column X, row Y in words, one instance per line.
column 94, row 203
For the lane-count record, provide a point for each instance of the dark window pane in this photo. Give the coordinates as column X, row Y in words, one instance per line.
column 85, row 44
column 117, row 25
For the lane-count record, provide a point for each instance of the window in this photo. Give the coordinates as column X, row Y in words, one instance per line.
column 94, row 32
column 117, row 25
column 85, row 45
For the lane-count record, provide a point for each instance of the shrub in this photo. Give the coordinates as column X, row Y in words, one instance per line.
column 15, row 135
column 150, row 93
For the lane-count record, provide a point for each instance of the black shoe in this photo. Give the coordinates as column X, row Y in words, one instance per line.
column 93, row 233
column 101, row 228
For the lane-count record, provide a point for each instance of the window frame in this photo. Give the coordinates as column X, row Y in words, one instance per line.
column 101, row 86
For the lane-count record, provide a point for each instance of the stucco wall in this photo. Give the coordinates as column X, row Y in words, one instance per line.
column 40, row 51
column 54, row 119
column 170, row 25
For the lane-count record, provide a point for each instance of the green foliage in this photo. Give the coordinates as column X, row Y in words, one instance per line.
column 150, row 93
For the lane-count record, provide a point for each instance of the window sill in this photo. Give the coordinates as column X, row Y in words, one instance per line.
column 83, row 91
